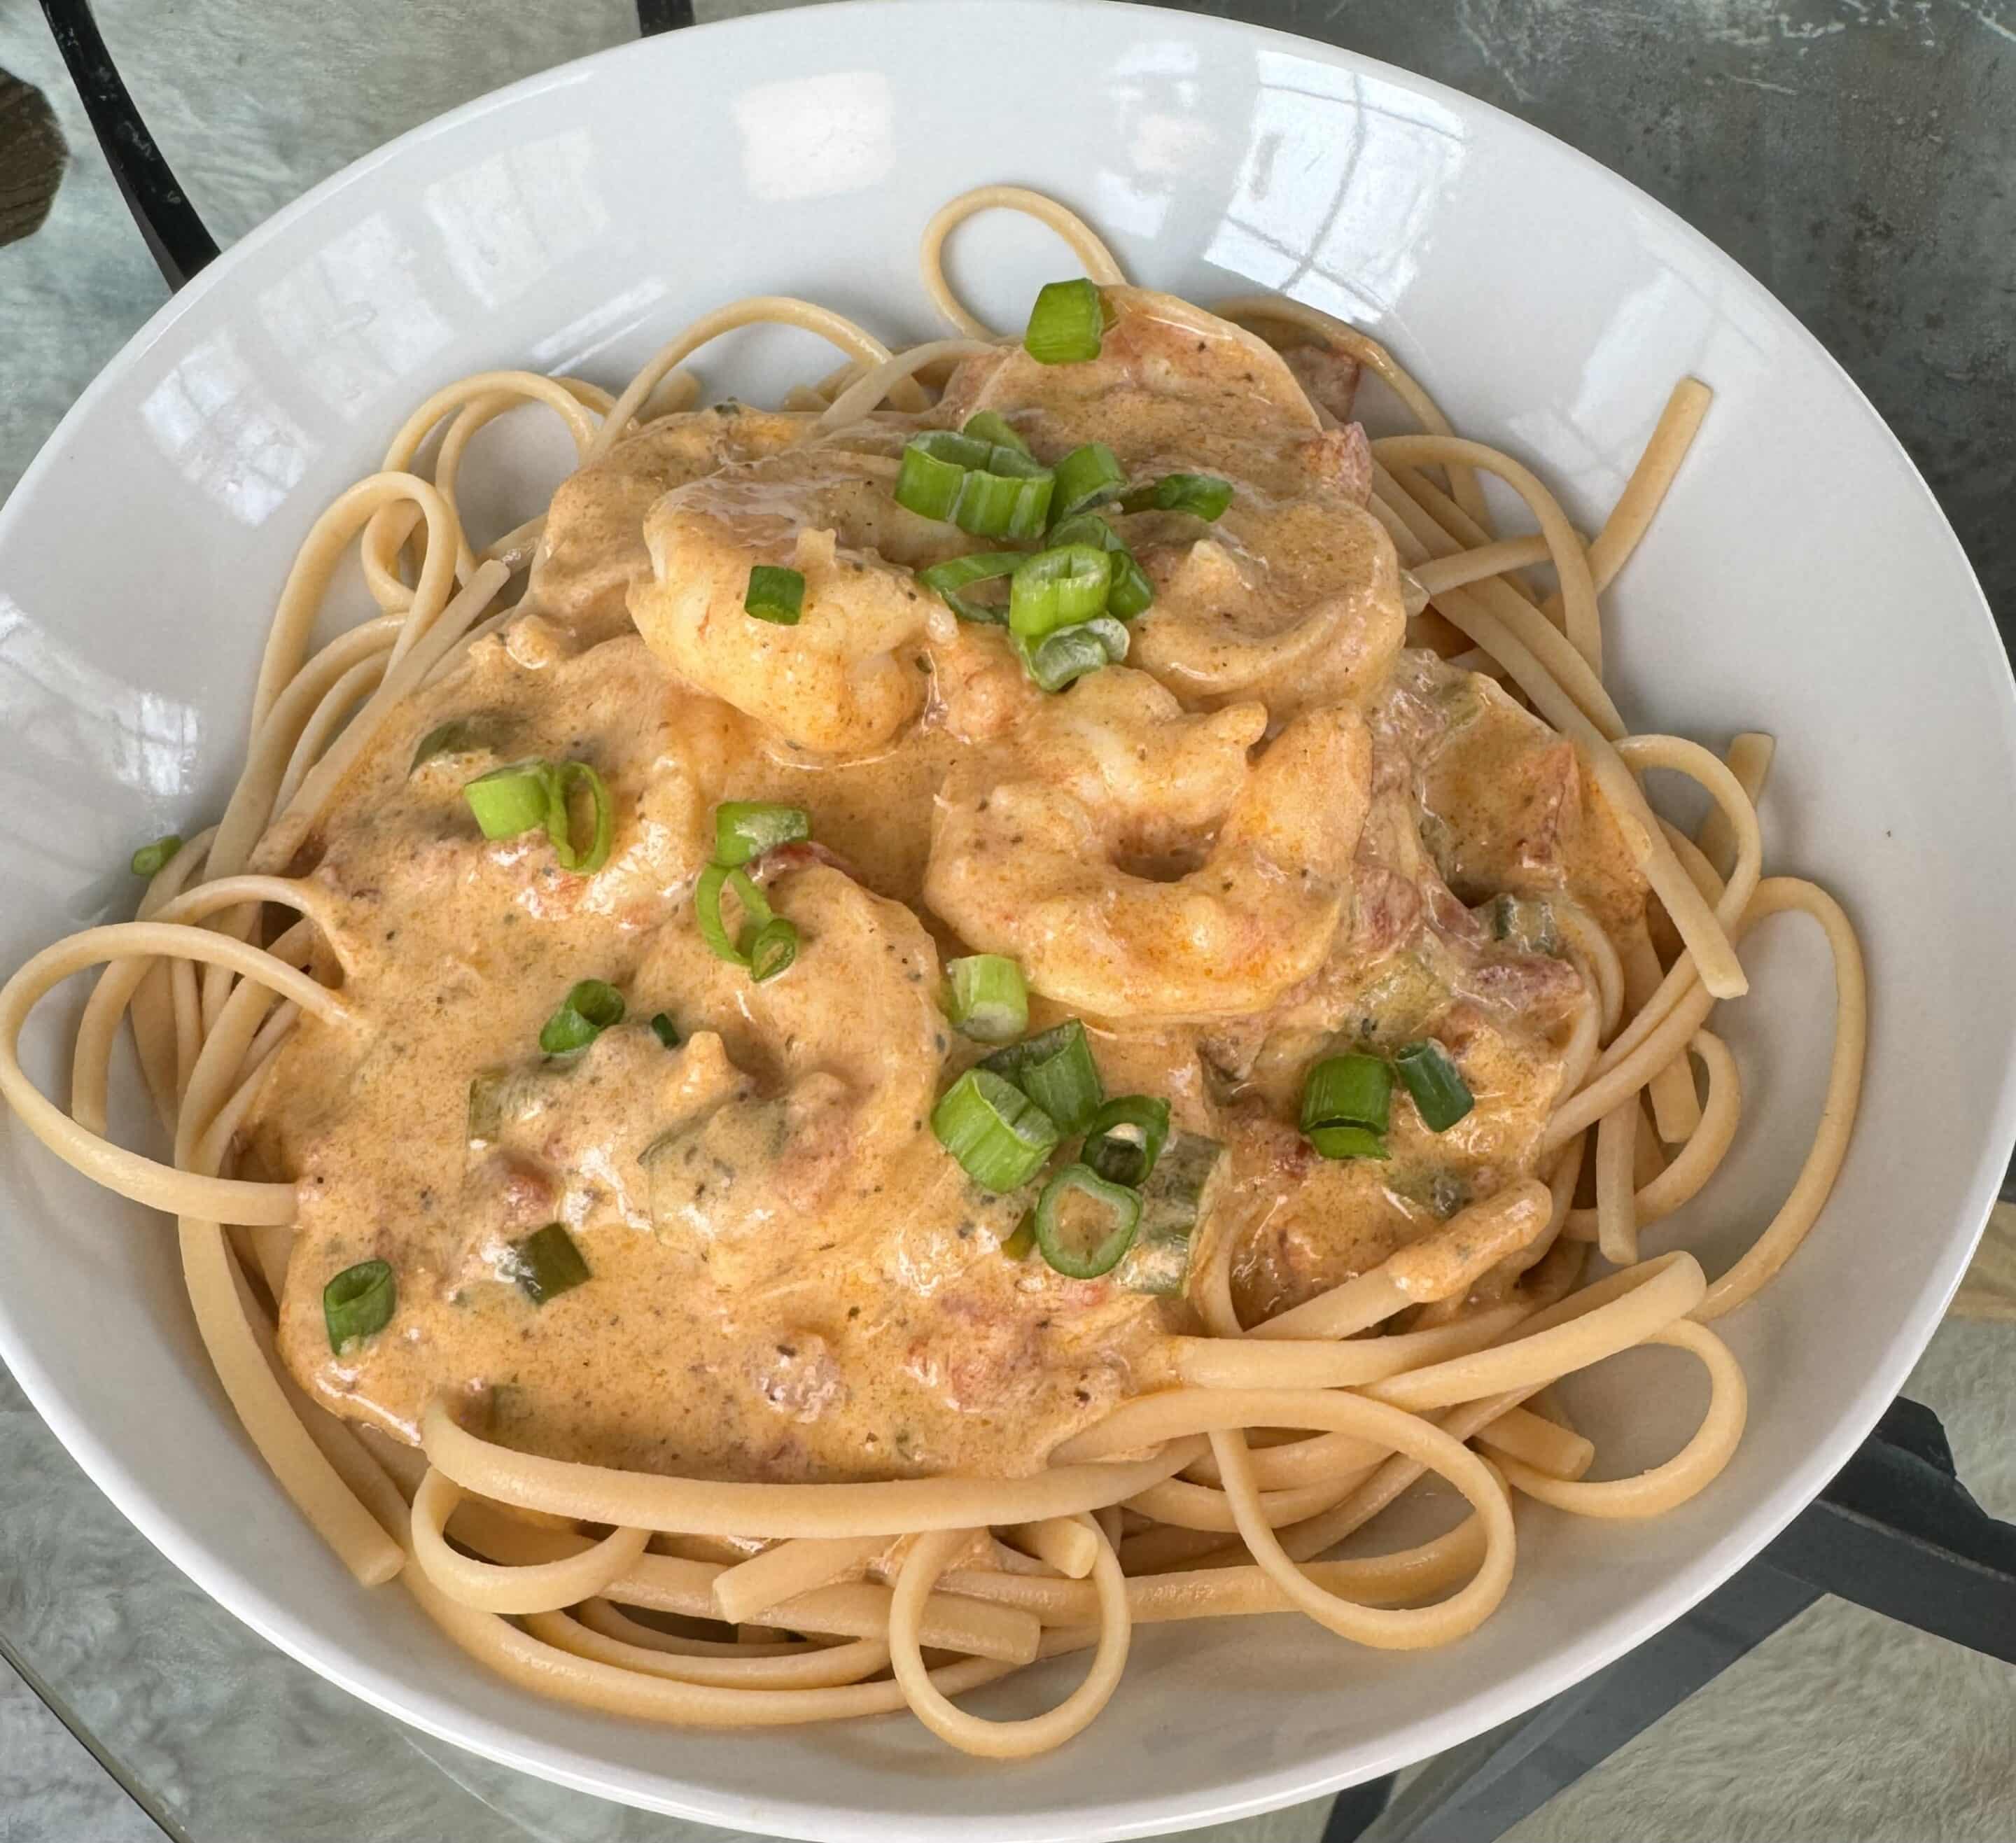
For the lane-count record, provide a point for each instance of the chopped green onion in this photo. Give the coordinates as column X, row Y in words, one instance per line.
column 1070, row 1249
column 547, row 1263
column 587, row 1011
column 769, row 943
column 1064, row 657
column 1087, row 477
column 774, row 595
column 1017, row 1246
column 1177, row 1197
column 150, row 860
column 1110, row 634
column 457, row 736
column 1203, row 495
column 1126, row 1137
column 1056, row 1071
column 946, row 580
column 1067, row 323
column 988, row 426
column 987, row 998
column 511, row 799
column 1058, row 587
column 523, row 795
column 566, row 776
column 1131, row 591
column 707, row 903
column 990, row 489
column 745, row 829
column 1000, row 1137
column 1441, row 1094
column 934, row 469
column 1346, row 1142
column 1348, row 1091
column 771, row 948
column 1010, row 499
column 488, row 1092
column 665, row 1030
column 358, row 1301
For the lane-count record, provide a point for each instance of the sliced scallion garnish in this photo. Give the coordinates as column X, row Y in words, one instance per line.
column 1000, row 1137
column 990, row 427
column 591, row 1006
column 523, row 795
column 1441, row 1094
column 1067, row 324
column 774, row 595
column 1131, row 592
column 1202, row 495
column 988, row 488
column 1010, row 499
column 1062, row 658
column 1354, row 1090
column 771, row 948
column 767, row 945
column 1077, row 1248
column 1055, row 1070
column 548, row 1263
column 586, row 859
column 933, row 469
column 745, row 829
column 947, row 580
column 1346, row 1142
column 1087, row 477
column 358, row 1301
column 512, row 799
column 665, row 1030
column 1058, row 587
column 707, row 905
column 1126, row 1137
column 986, row 998
column 151, row 860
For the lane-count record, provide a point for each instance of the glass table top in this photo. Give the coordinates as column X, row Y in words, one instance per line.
column 1859, row 157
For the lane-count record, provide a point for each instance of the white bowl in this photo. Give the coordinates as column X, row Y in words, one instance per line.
column 1800, row 579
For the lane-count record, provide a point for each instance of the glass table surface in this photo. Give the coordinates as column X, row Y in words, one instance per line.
column 1858, row 156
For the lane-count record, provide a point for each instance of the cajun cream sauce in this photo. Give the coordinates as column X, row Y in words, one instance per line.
column 1275, row 834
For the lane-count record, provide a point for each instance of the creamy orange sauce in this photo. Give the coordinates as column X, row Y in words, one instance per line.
column 1274, row 834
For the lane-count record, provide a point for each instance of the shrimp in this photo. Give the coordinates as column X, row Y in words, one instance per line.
column 1169, row 375
column 1296, row 603
column 846, row 678
column 1292, row 596
column 592, row 549
column 1128, row 856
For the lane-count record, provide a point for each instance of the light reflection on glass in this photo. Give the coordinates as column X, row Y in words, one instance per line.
column 510, row 220
column 1336, row 186
column 353, row 319
column 222, row 431
column 81, row 722
column 816, row 137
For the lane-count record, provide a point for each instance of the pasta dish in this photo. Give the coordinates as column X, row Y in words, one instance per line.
column 920, row 1027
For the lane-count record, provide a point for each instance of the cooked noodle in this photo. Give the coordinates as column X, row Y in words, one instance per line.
column 909, row 1592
